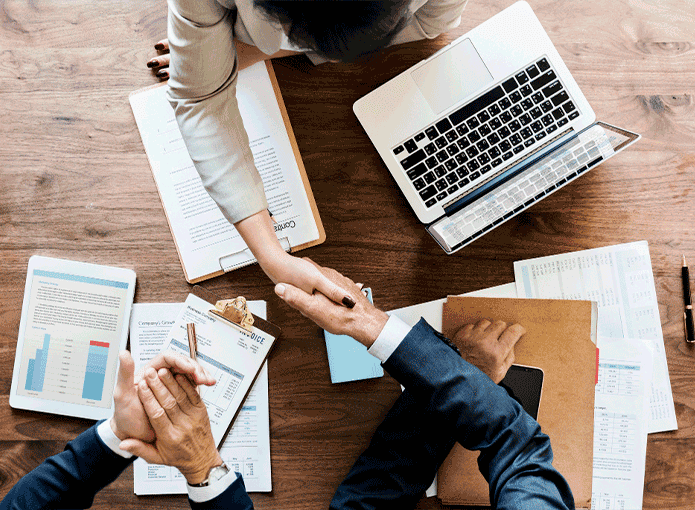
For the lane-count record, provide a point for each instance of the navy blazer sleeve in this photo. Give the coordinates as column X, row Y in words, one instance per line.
column 70, row 479
column 446, row 400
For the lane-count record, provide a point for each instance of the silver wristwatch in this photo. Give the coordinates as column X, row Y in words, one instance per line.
column 214, row 474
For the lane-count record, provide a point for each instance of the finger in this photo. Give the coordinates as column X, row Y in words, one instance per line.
column 142, row 450
column 158, row 417
column 163, row 395
column 496, row 329
column 176, row 390
column 333, row 291
column 162, row 74
column 159, row 61
column 359, row 285
column 162, row 45
column 483, row 324
column 297, row 299
column 126, row 370
column 465, row 332
column 511, row 336
column 180, row 364
column 190, row 390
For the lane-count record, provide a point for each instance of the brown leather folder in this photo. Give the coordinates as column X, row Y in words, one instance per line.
column 561, row 340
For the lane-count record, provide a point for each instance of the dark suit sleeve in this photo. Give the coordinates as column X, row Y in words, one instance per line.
column 70, row 479
column 234, row 498
column 448, row 400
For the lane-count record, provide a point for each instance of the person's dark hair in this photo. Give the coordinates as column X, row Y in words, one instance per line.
column 338, row 29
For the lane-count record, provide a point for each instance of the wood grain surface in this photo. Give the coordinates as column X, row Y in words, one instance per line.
column 75, row 183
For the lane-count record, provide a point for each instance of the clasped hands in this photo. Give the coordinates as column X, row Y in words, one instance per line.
column 160, row 416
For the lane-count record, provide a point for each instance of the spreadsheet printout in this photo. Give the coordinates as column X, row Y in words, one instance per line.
column 620, row 279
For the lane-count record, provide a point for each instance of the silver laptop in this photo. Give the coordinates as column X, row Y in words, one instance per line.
column 485, row 128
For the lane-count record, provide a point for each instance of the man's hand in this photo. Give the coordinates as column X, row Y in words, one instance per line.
column 363, row 322
column 129, row 418
column 181, row 426
column 489, row 346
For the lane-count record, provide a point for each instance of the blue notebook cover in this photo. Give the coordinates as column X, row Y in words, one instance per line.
column 348, row 359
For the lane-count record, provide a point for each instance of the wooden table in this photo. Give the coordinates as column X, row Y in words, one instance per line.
column 75, row 183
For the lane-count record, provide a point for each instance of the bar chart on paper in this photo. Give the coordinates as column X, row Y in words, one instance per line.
column 68, row 368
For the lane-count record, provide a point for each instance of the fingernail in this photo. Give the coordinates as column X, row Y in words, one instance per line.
column 152, row 63
column 347, row 301
column 159, row 46
column 151, row 374
column 280, row 289
column 162, row 74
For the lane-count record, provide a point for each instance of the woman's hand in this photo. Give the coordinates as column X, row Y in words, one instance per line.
column 160, row 63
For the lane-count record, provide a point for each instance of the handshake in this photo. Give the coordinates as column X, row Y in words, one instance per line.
column 160, row 416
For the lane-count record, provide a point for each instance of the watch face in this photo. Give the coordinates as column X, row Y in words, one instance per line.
column 217, row 472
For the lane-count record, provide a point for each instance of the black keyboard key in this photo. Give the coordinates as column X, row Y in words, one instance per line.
column 419, row 136
column 410, row 146
column 537, row 97
column 474, row 137
column 574, row 115
column 509, row 85
column 546, row 106
column 506, row 117
column 569, row 106
column 475, row 175
column 527, row 104
column 540, row 136
column 495, row 123
column 443, row 125
column 521, row 78
column 428, row 192
column 413, row 159
column 472, row 166
column 532, row 71
column 483, row 158
column 507, row 155
column 442, row 195
column 483, row 116
column 505, row 103
column 543, row 64
column 543, row 80
column 514, row 126
column 440, row 171
column 493, row 139
column 462, row 172
column 494, row 152
column 551, row 129
column 537, row 126
column 451, row 164
column 516, row 96
column 430, row 149
column 496, row 162
column 464, row 181
column 419, row 184
column 431, row 202
column 526, row 132
column 473, row 123
column 560, row 98
column 529, row 142
column 515, row 139
column 482, row 145
column 485, row 169
column 398, row 149
column 431, row 132
column 452, row 188
column 416, row 172
column 472, row 152
column 430, row 177
column 441, row 184
column 452, row 178
column 547, row 120
column 526, row 90
column 552, row 89
column 517, row 110
column 442, row 156
column 461, row 158
column 536, row 112
column 484, row 130
column 463, row 143
column 525, row 119
column 558, row 113
column 452, row 149
column 462, row 129
column 431, row 162
column 518, row 149
column 505, row 145
column 476, row 105
column 441, row 142
column 451, row 136
column 562, row 122
column 494, row 110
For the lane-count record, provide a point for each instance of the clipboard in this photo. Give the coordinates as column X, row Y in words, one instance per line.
column 258, row 323
column 244, row 257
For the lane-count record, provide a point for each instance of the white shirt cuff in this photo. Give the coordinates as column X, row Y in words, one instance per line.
column 111, row 440
column 389, row 339
column 202, row 494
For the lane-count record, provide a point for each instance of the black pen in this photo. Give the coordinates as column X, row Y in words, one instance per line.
column 688, row 313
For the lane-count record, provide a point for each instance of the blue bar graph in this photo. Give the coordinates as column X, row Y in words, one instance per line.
column 37, row 367
column 96, row 370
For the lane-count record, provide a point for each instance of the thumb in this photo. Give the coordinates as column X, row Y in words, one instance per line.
column 141, row 449
column 126, row 368
column 295, row 297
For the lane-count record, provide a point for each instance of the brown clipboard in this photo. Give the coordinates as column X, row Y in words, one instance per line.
column 302, row 172
column 259, row 323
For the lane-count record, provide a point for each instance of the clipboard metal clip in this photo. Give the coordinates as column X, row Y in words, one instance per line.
column 235, row 311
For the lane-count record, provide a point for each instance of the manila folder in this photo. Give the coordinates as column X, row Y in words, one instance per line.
column 560, row 339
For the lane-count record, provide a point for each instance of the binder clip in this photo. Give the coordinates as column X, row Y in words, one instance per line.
column 234, row 311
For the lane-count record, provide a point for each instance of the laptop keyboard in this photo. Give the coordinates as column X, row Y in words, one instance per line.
column 462, row 148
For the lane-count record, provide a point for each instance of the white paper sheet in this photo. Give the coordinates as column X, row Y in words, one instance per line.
column 620, row 279
column 206, row 241
column 247, row 446
column 432, row 312
column 621, row 408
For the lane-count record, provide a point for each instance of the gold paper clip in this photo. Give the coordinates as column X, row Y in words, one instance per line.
column 235, row 311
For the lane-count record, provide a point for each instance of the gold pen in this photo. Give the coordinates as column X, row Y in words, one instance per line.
column 192, row 347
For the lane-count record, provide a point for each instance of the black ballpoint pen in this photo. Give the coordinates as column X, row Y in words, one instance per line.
column 688, row 313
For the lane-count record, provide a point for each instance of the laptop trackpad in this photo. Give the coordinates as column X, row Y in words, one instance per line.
column 452, row 76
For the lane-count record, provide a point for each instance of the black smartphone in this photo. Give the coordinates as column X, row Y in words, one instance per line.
column 525, row 385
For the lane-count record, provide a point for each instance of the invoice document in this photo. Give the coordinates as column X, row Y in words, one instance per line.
column 246, row 449
column 620, row 279
column 206, row 242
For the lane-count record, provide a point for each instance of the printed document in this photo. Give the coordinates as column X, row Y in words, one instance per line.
column 207, row 243
column 246, row 449
column 620, row 279
column 621, row 409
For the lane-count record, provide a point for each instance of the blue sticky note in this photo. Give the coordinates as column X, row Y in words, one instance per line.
column 348, row 359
